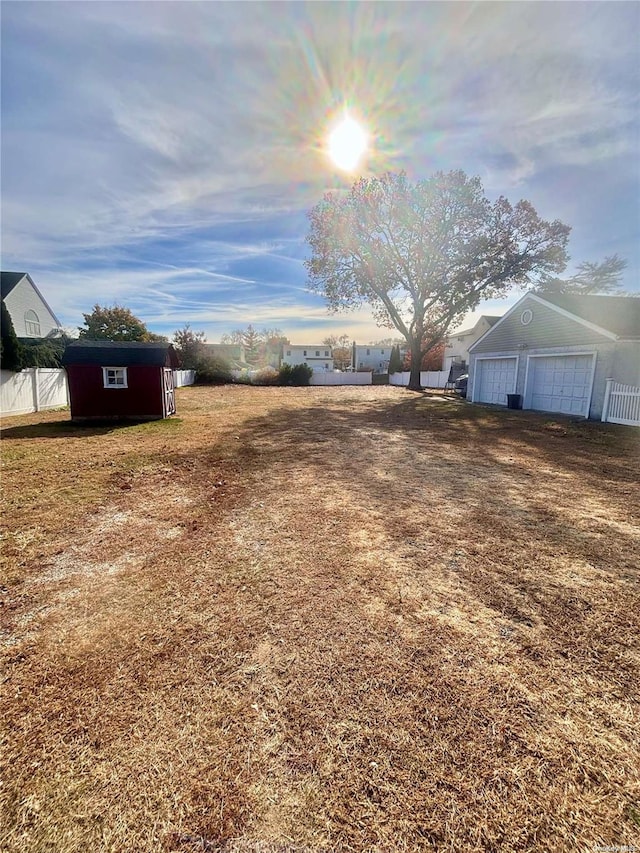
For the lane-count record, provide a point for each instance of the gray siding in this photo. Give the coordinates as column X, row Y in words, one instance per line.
column 547, row 329
column 626, row 363
column 24, row 298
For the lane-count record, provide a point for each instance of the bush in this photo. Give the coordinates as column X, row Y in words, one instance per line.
column 212, row 371
column 297, row 374
column 266, row 376
column 45, row 352
column 10, row 347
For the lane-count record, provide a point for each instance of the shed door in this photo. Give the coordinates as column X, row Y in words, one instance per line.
column 496, row 378
column 561, row 383
column 169, row 393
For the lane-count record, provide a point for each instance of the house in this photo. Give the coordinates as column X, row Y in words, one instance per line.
column 232, row 354
column 317, row 356
column 457, row 344
column 30, row 314
column 120, row 380
column 556, row 353
column 372, row 358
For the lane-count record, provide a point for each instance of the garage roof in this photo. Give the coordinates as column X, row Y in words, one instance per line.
column 617, row 314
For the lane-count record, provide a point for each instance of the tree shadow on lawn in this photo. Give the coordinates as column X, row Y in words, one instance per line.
column 509, row 486
column 71, row 429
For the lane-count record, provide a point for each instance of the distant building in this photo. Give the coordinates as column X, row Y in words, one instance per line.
column 372, row 358
column 457, row 344
column 318, row 356
column 231, row 354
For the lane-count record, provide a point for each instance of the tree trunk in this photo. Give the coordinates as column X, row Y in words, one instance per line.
column 416, row 360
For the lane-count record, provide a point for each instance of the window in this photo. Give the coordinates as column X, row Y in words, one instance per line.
column 304, row 352
column 114, row 377
column 326, row 352
column 368, row 352
column 461, row 339
column 288, row 352
column 317, row 352
column 381, row 352
column 32, row 324
column 526, row 317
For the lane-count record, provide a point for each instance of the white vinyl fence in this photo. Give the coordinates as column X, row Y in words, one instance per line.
column 328, row 377
column 33, row 390
column 621, row 404
column 183, row 377
column 428, row 378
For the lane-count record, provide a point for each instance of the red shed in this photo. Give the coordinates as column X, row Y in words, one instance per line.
column 120, row 380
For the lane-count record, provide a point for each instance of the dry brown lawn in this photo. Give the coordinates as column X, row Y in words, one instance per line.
column 348, row 619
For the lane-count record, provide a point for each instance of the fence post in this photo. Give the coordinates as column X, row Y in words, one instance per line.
column 607, row 398
column 35, row 389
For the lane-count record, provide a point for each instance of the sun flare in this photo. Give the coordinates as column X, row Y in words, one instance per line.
column 347, row 143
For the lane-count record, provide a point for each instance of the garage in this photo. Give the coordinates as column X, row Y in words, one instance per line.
column 496, row 377
column 561, row 383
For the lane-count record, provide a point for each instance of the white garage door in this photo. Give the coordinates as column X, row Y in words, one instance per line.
column 496, row 379
column 561, row 383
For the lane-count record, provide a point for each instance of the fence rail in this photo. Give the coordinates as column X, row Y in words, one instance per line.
column 621, row 404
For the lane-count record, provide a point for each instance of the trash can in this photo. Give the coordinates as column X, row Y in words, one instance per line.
column 514, row 401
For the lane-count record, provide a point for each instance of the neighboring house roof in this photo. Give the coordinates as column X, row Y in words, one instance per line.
column 306, row 346
column 490, row 318
column 9, row 280
column 617, row 314
column 118, row 353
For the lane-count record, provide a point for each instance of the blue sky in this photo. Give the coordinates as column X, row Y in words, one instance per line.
column 164, row 155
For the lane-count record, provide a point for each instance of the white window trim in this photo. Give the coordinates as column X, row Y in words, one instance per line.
column 32, row 327
column 105, row 377
column 494, row 358
column 526, row 396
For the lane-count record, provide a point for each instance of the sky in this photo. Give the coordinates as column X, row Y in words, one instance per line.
column 164, row 156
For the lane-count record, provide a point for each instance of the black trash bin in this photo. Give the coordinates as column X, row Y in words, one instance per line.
column 514, row 401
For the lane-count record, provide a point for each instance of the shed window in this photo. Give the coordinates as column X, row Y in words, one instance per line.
column 32, row 324
column 114, row 377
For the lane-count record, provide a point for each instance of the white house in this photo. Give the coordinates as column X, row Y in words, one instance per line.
column 373, row 358
column 458, row 343
column 29, row 312
column 317, row 356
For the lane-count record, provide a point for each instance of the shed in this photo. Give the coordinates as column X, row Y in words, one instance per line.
column 120, row 380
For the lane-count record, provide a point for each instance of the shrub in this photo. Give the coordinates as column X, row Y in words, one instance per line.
column 10, row 347
column 212, row 371
column 297, row 374
column 45, row 352
column 266, row 376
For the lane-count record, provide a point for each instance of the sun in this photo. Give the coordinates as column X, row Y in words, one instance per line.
column 346, row 144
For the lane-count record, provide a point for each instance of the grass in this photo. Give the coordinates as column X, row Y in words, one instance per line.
column 320, row 619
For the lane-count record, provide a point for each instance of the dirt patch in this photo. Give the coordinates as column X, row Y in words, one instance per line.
column 321, row 619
